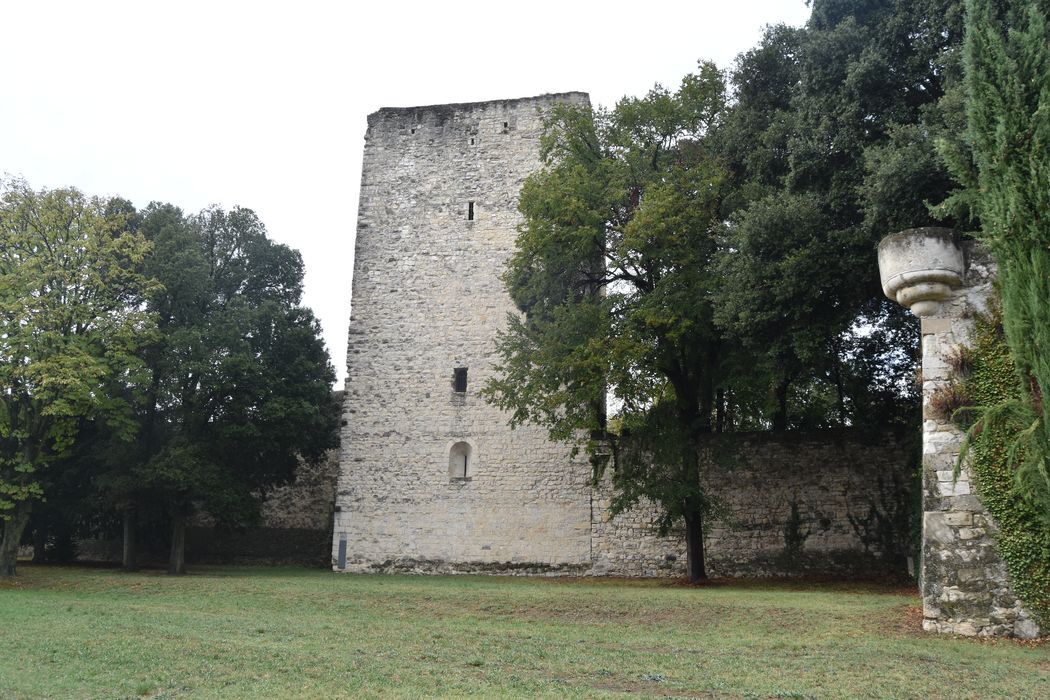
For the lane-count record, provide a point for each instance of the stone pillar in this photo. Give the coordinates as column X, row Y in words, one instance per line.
column 964, row 582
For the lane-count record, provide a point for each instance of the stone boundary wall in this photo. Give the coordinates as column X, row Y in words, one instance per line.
column 846, row 487
column 830, row 503
column 295, row 526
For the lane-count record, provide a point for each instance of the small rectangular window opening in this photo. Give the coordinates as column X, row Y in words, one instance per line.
column 506, row 127
column 470, row 217
column 459, row 379
column 472, row 142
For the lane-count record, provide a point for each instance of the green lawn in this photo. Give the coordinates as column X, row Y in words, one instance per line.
column 255, row 632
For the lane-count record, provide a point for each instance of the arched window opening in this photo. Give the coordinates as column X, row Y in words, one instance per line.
column 459, row 461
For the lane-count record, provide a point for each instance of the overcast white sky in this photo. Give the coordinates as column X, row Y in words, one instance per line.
column 264, row 105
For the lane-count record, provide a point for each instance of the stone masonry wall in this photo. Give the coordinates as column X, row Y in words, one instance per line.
column 295, row 525
column 824, row 503
column 427, row 299
column 964, row 582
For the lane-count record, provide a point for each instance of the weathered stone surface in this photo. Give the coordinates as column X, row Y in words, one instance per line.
column 919, row 267
column 295, row 528
column 295, row 524
column 839, row 483
column 437, row 222
column 1026, row 629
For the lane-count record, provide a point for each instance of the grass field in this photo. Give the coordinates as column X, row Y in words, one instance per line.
column 255, row 632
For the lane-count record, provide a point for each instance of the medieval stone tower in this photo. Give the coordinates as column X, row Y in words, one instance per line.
column 431, row 475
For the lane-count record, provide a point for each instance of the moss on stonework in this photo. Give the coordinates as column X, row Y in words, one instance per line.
column 1023, row 542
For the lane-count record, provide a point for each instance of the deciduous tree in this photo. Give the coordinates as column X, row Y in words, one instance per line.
column 613, row 275
column 239, row 382
column 71, row 320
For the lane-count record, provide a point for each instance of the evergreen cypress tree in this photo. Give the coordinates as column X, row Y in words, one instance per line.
column 1007, row 62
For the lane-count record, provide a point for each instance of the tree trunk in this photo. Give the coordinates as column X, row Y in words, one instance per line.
column 12, row 537
column 694, row 547
column 780, row 417
column 130, row 558
column 720, row 411
column 177, row 560
column 839, row 389
column 40, row 544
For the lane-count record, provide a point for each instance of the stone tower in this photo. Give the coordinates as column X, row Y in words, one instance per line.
column 432, row 478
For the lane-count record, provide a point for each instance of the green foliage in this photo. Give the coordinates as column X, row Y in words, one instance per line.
column 239, row 383
column 1007, row 61
column 1024, row 538
column 830, row 143
column 71, row 321
column 613, row 273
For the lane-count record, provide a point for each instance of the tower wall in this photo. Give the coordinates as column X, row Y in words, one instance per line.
column 427, row 299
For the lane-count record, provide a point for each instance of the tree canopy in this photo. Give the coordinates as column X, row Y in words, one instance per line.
column 239, row 380
column 612, row 272
column 829, row 145
column 152, row 362
column 72, row 321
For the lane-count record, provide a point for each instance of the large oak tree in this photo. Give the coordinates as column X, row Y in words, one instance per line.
column 71, row 320
column 239, row 385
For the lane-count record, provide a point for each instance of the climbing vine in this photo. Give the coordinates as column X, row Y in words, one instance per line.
column 989, row 378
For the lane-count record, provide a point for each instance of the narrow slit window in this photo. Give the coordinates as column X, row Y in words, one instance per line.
column 459, row 380
column 506, row 127
column 470, row 213
column 472, row 142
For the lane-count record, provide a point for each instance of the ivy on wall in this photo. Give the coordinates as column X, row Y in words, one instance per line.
column 989, row 379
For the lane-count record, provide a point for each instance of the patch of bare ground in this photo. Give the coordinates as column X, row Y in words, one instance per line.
column 892, row 586
column 885, row 586
column 900, row 621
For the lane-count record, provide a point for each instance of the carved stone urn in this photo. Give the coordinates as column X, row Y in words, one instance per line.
column 919, row 268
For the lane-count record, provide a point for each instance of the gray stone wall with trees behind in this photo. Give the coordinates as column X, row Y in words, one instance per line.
column 823, row 503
